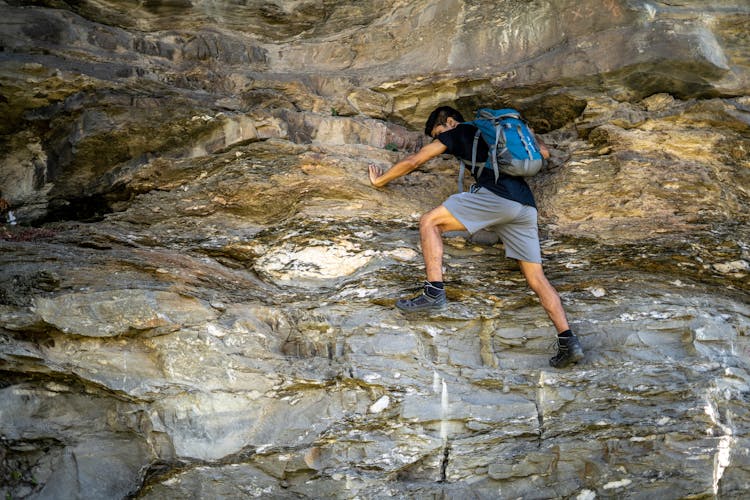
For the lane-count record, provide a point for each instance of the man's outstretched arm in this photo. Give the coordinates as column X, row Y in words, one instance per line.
column 403, row 167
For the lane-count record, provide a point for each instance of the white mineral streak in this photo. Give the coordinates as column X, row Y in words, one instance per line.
column 736, row 266
column 586, row 495
column 380, row 405
column 444, row 412
column 725, row 442
column 618, row 484
column 288, row 263
column 403, row 254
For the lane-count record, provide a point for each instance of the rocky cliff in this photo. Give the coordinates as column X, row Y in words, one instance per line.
column 197, row 280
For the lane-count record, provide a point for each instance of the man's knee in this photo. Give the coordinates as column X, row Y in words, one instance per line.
column 441, row 219
column 430, row 220
column 426, row 222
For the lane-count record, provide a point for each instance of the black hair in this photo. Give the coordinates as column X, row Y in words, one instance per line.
column 440, row 117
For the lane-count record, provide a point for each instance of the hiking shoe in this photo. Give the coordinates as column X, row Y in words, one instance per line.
column 569, row 351
column 430, row 298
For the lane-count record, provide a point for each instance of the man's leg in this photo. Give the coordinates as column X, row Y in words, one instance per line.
column 569, row 350
column 432, row 225
column 547, row 294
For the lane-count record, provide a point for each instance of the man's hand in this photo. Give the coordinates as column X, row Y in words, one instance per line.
column 375, row 172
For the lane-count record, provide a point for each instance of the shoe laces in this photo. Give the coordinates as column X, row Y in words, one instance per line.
column 415, row 293
column 559, row 345
column 555, row 344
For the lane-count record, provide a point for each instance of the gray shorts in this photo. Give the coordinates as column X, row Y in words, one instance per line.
column 513, row 222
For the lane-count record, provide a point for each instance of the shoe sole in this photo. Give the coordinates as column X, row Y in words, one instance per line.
column 574, row 359
column 420, row 309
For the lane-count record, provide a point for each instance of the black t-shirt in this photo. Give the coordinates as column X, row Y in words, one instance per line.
column 460, row 141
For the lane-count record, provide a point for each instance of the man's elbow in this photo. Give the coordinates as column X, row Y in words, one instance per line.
column 412, row 162
column 543, row 150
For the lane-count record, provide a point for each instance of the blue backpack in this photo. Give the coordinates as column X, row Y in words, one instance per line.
column 513, row 148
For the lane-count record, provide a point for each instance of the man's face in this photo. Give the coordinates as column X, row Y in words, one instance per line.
column 449, row 124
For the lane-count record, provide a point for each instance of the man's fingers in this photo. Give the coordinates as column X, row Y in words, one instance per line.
column 375, row 172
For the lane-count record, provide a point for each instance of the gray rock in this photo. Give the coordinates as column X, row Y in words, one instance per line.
column 206, row 305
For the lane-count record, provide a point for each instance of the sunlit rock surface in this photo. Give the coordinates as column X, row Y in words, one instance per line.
column 197, row 298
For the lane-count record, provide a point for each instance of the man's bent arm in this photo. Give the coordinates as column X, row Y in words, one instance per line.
column 406, row 165
column 542, row 147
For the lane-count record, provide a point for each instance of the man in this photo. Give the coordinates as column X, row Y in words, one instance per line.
column 506, row 206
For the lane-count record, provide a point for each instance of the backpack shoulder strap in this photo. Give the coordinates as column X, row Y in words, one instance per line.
column 477, row 134
column 462, row 167
column 461, row 171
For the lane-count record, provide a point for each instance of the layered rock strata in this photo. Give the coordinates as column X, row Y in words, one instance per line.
column 196, row 298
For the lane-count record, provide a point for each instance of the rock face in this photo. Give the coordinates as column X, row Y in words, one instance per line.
column 92, row 89
column 197, row 280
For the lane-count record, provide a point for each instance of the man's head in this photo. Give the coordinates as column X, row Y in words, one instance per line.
column 442, row 119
